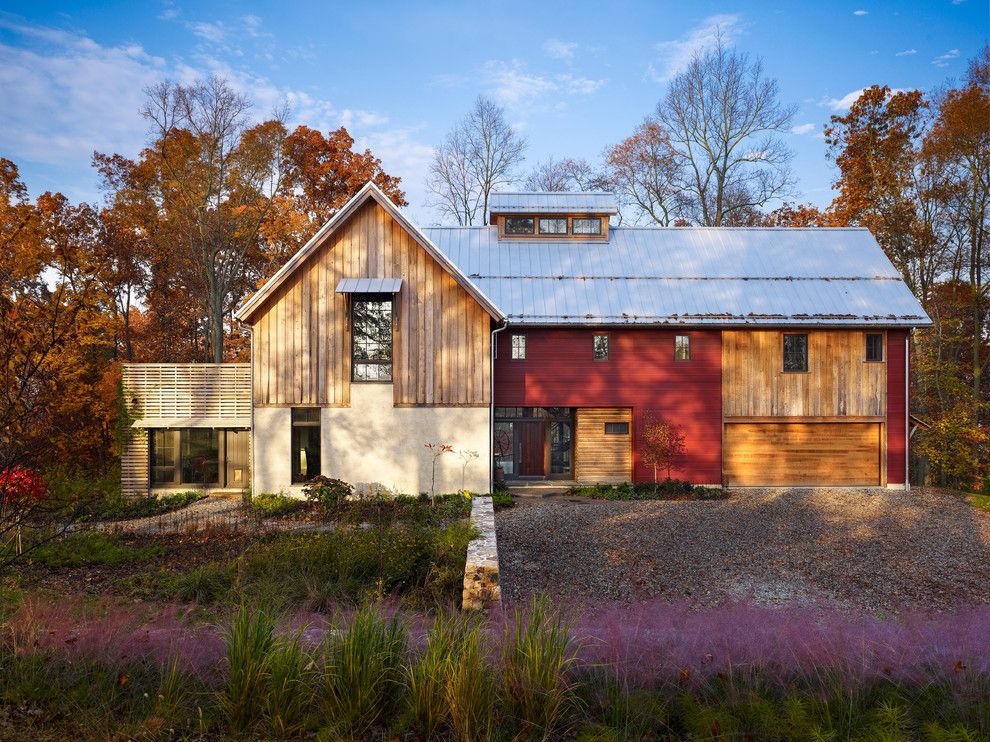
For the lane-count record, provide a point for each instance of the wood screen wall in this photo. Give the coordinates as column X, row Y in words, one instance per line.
column 599, row 457
column 441, row 335
column 839, row 382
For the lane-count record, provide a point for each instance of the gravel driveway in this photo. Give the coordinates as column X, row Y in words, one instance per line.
column 869, row 549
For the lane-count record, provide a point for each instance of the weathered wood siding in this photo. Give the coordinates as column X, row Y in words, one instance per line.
column 839, row 382
column 441, row 336
column 134, row 474
column 599, row 457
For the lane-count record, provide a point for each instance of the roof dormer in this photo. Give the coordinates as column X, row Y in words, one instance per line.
column 552, row 215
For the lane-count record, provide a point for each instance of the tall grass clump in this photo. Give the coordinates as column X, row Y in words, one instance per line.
column 249, row 643
column 471, row 690
column 289, row 688
column 363, row 672
column 538, row 659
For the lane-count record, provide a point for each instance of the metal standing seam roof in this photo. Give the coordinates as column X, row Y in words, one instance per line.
column 369, row 285
column 689, row 276
column 550, row 202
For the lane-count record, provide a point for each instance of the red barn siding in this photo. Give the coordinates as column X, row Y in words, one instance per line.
column 641, row 373
column 896, row 407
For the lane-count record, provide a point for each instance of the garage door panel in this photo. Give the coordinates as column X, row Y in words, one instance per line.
column 809, row 454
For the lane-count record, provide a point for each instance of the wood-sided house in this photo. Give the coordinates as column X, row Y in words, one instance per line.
column 546, row 341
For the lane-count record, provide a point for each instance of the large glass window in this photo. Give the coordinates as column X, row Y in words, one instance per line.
column 795, row 352
column 199, row 456
column 519, row 225
column 371, row 323
column 305, row 443
column 586, row 225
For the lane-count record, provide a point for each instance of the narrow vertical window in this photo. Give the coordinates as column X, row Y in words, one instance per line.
column 682, row 347
column 600, row 347
column 795, row 352
column 518, row 347
column 371, row 337
column 874, row 346
column 305, row 443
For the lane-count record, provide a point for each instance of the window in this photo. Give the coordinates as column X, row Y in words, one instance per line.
column 587, row 226
column 371, row 344
column 198, row 456
column 305, row 443
column 795, row 352
column 600, row 347
column 616, row 428
column 519, row 225
column 874, row 346
column 682, row 348
column 519, row 347
column 553, row 225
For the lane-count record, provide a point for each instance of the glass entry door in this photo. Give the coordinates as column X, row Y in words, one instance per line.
column 534, row 442
column 561, row 449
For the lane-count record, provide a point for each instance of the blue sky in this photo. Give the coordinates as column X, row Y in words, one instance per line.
column 574, row 76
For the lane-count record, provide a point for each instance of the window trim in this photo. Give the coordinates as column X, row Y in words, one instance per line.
column 597, row 233
column 608, row 346
column 623, row 423
column 512, row 346
column 390, row 298
column 509, row 233
column 883, row 348
column 688, row 339
column 807, row 353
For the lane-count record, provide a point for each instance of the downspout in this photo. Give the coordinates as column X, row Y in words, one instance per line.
column 252, row 463
column 491, row 408
column 907, row 411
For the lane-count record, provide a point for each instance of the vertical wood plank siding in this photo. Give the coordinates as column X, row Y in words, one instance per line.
column 897, row 341
column 599, row 457
column 302, row 341
column 641, row 374
column 838, row 382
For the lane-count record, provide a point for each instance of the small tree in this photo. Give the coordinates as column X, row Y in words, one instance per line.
column 466, row 458
column 436, row 451
column 662, row 445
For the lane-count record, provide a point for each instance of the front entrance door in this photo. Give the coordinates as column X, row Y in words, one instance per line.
column 532, row 454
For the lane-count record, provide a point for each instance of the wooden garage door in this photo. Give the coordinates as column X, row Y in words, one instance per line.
column 802, row 454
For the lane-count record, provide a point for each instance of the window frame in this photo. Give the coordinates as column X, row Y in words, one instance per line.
column 382, row 298
column 512, row 346
column 883, row 349
column 510, row 233
column 181, row 449
column 295, row 475
column 623, row 424
column 677, row 347
column 596, row 233
column 594, row 346
column 783, row 353
column 564, row 219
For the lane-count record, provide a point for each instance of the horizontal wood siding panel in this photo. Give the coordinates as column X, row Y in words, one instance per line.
column 441, row 338
column 641, row 374
column 134, row 475
column 189, row 390
column 838, row 380
column 599, row 457
column 802, row 454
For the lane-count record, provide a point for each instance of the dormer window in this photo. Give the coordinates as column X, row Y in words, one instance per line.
column 553, row 225
column 519, row 225
column 592, row 225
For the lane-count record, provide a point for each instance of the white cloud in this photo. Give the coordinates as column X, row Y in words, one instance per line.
column 215, row 33
column 803, row 129
column 906, row 53
column 511, row 83
column 349, row 117
column 845, row 102
column 674, row 56
column 943, row 59
column 861, row 12
column 558, row 49
column 252, row 24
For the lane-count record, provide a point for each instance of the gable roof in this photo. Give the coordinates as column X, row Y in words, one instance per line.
column 688, row 276
column 368, row 191
column 552, row 202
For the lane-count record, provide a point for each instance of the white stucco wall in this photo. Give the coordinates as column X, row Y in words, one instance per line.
column 372, row 441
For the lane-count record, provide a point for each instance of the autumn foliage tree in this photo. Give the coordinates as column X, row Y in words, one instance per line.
column 662, row 445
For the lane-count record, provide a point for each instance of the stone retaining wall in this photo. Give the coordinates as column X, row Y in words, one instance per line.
column 481, row 585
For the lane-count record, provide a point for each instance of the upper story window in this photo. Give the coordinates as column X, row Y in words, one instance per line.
column 371, row 337
column 795, row 352
column 874, row 346
column 682, row 348
column 583, row 225
column 599, row 346
column 553, row 225
column 519, row 347
column 519, row 225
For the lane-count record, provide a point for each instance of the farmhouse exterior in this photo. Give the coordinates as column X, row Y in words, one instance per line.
column 545, row 343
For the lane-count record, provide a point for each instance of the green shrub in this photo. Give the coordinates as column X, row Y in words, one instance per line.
column 501, row 499
column 207, row 583
column 249, row 643
column 327, row 492
column 669, row 489
column 538, row 658
column 275, row 505
column 91, row 548
column 363, row 672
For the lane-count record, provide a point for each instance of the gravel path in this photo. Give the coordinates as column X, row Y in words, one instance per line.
column 874, row 550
